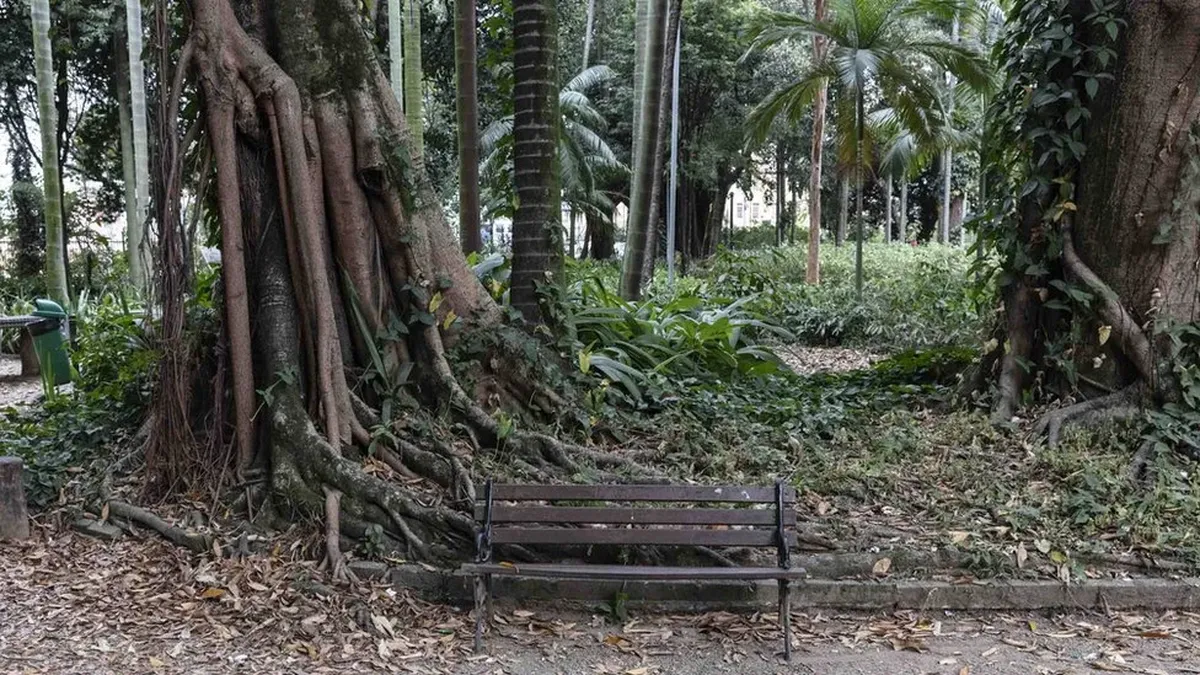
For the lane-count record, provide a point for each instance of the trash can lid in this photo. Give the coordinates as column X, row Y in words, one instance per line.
column 48, row 309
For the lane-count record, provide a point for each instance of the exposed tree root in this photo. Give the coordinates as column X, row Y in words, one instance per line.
column 1122, row 405
column 334, row 561
column 178, row 536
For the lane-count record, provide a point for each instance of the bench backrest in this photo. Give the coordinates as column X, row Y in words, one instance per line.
column 662, row 515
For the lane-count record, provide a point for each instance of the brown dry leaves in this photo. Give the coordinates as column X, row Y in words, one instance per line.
column 72, row 604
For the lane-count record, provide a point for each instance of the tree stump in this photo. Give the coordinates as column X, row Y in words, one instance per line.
column 14, row 518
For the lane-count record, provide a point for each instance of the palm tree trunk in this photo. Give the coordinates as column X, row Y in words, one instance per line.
column 395, row 19
column 136, row 229
column 128, row 174
column 643, row 175
column 660, row 145
column 56, row 268
column 466, row 57
column 887, row 220
column 844, row 213
column 587, row 34
column 859, row 123
column 812, row 271
column 413, row 77
column 948, row 154
column 640, row 19
column 537, row 223
column 903, row 210
column 673, row 189
column 780, row 188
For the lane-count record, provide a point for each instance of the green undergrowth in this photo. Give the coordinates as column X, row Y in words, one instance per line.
column 69, row 436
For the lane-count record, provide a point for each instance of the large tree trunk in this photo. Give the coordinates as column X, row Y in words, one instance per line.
column 322, row 197
column 1133, row 242
column 1138, row 187
column 537, row 224
column 56, row 266
column 465, row 68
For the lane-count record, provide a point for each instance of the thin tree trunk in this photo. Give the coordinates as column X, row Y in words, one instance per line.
column 395, row 19
column 640, row 23
column 844, row 212
column 587, row 34
column 643, row 175
column 903, row 210
column 673, row 189
column 468, row 127
column 128, row 173
column 660, row 145
column 948, row 153
column 414, row 106
column 537, row 223
column 780, row 187
column 887, row 220
column 812, row 272
column 859, row 123
column 56, row 269
column 139, row 272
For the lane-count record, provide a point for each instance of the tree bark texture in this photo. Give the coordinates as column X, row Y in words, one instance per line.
column 537, row 223
column 465, row 67
column 812, row 272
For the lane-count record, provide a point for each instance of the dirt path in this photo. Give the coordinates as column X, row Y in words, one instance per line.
column 806, row 360
column 14, row 389
column 75, row 605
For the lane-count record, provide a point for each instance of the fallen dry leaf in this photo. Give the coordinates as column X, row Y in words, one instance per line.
column 881, row 567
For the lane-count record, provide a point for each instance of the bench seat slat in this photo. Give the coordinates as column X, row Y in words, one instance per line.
column 636, row 537
column 504, row 513
column 633, row 572
column 636, row 493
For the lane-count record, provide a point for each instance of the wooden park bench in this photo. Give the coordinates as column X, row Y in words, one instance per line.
column 634, row 515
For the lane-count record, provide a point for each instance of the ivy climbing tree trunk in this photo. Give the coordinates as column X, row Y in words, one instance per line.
column 333, row 237
column 56, row 266
column 537, row 223
column 1130, row 226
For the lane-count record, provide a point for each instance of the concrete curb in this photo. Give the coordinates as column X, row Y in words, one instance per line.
column 1014, row 595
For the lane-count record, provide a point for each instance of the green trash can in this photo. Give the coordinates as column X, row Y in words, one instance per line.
column 50, row 340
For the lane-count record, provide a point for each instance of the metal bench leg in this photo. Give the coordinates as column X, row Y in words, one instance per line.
column 489, row 612
column 482, row 607
column 785, row 618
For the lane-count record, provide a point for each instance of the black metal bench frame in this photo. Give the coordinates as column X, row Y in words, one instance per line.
column 543, row 522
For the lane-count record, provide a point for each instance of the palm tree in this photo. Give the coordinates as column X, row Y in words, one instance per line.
column 136, row 228
column 812, row 272
column 646, row 140
column 880, row 43
column 56, row 266
column 583, row 154
column 537, row 222
column 466, row 57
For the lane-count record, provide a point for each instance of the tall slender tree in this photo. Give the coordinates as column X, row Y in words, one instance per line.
column 395, row 22
column 641, row 188
column 414, row 78
column 948, row 153
column 466, row 57
column 56, row 266
column 881, row 43
column 662, row 132
column 537, row 223
column 128, row 172
column 139, row 269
